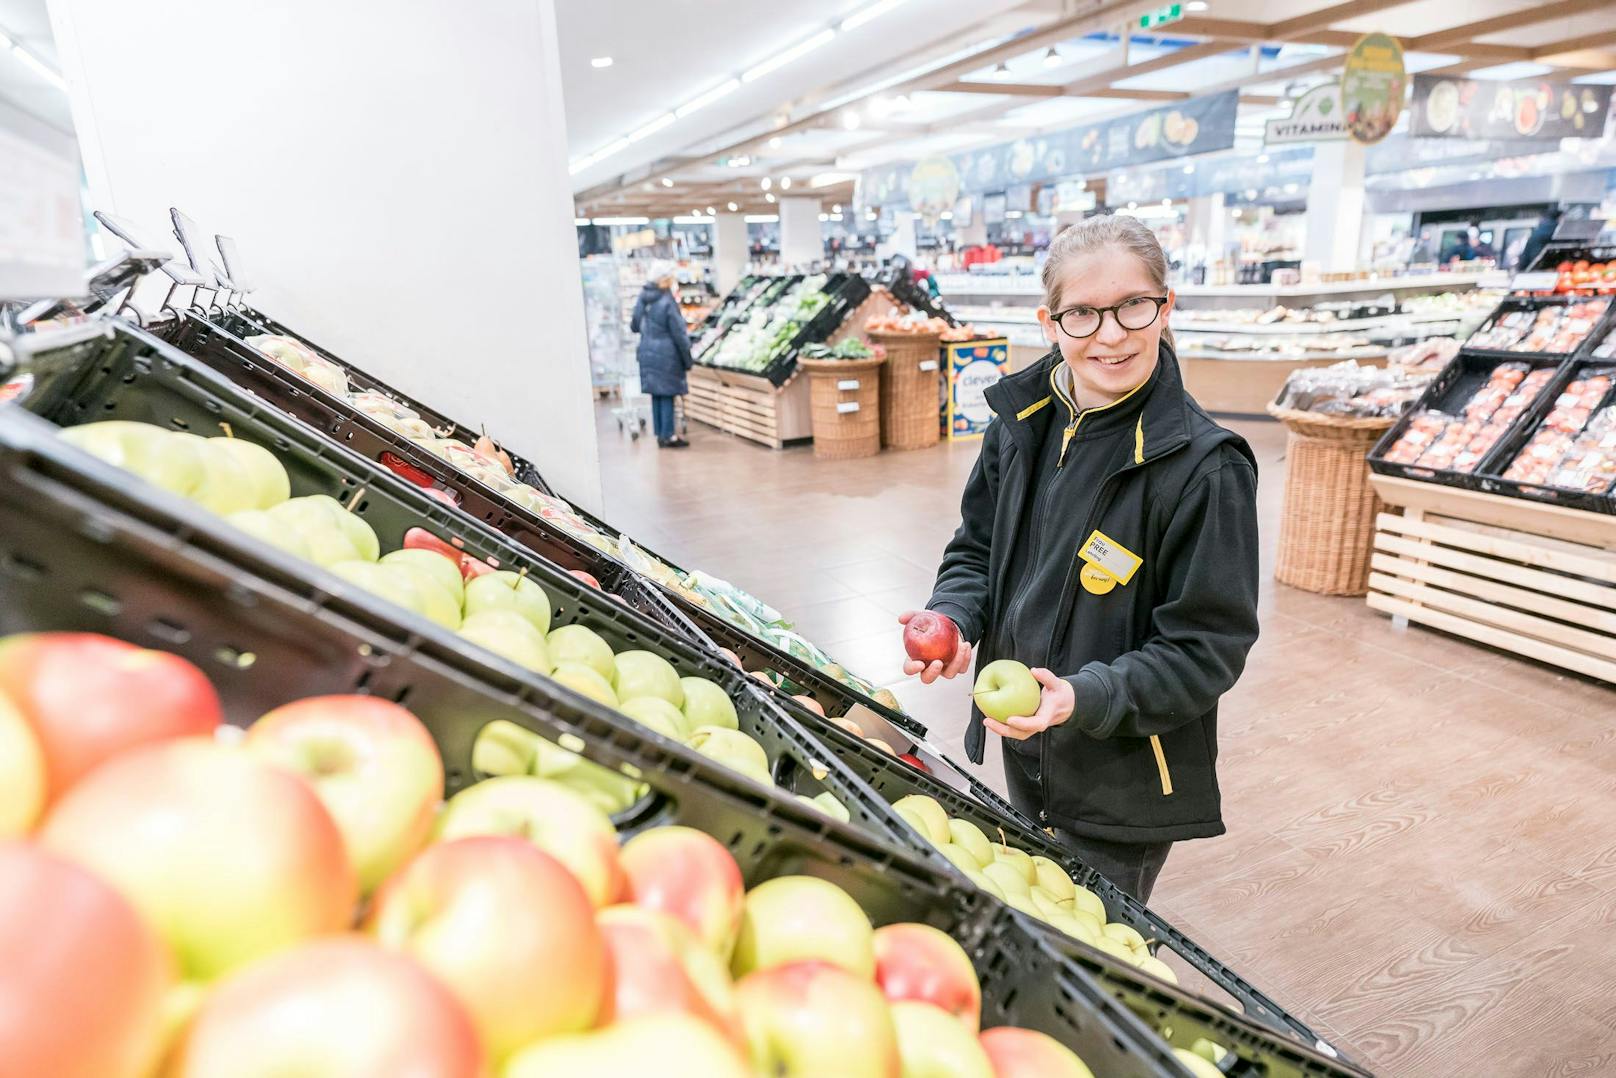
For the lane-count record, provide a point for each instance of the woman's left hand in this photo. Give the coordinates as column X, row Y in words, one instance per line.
column 1055, row 705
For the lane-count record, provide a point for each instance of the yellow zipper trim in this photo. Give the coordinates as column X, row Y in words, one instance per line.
column 1078, row 417
column 1161, row 766
column 1031, row 408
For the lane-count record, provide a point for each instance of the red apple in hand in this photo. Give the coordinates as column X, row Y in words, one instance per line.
column 929, row 638
column 89, row 697
column 83, row 978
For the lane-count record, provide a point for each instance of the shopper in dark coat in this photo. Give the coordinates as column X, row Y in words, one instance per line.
column 663, row 353
column 1109, row 541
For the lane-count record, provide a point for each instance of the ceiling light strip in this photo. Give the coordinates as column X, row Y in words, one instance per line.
column 795, row 52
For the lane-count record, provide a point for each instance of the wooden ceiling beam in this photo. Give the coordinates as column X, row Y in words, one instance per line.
column 1009, row 89
column 1325, row 17
column 1465, row 34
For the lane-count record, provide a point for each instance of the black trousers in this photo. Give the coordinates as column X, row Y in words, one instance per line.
column 1132, row 866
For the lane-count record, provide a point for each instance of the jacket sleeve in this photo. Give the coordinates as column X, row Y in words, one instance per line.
column 961, row 590
column 1203, row 628
column 639, row 310
column 681, row 336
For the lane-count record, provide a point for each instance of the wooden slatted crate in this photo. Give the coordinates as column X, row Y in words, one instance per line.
column 1537, row 580
column 748, row 406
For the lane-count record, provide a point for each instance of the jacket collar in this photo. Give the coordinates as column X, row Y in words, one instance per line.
column 1029, row 401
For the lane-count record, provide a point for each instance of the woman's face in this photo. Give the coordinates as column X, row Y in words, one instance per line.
column 1112, row 360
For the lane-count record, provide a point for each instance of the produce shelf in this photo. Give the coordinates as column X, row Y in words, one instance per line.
column 82, row 548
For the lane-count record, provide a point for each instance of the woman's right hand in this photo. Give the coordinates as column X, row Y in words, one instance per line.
column 930, row 672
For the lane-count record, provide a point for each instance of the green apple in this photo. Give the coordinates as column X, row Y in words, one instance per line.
column 432, row 564
column 1114, row 948
column 359, row 533
column 397, row 586
column 1021, row 903
column 269, row 483
column 936, row 1044
column 226, row 486
column 1079, row 927
column 986, row 884
column 706, row 704
column 143, row 449
column 1053, row 878
column 1157, row 968
column 1209, row 1050
column 504, row 748
column 1089, row 902
column 1197, row 1066
column 261, row 526
column 580, row 645
column 1092, row 925
column 505, row 590
column 1020, row 860
column 1006, row 688
column 1125, row 935
column 735, row 750
column 586, row 681
column 511, row 636
column 1048, row 908
column 960, row 857
column 643, row 673
column 970, row 838
column 324, row 526
column 914, row 819
column 1010, row 880
column 831, row 806
column 608, row 790
column 659, row 715
column 438, row 602
column 796, row 918
column 933, row 817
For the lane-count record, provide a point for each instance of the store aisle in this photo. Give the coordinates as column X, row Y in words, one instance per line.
column 1415, row 826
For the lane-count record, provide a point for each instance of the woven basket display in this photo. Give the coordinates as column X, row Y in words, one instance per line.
column 910, row 389
column 844, row 399
column 1327, row 527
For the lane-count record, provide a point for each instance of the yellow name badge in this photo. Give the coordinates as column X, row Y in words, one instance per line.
column 1107, row 563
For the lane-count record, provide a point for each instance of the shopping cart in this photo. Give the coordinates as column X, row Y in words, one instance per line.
column 633, row 407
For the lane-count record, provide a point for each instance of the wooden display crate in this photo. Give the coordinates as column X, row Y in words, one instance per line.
column 748, row 406
column 1536, row 580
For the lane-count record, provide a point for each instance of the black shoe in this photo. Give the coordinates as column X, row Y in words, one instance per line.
column 677, row 443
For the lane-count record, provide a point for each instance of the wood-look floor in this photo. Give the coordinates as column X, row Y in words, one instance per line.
column 1421, row 857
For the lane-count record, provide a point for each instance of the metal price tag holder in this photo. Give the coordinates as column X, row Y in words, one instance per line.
column 190, row 235
column 179, row 275
column 106, row 282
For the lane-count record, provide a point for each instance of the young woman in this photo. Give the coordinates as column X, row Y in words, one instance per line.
column 1108, row 540
column 663, row 352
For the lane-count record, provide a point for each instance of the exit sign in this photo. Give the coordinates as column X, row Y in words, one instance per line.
column 1161, row 16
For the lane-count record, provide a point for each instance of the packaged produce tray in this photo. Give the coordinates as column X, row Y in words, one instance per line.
column 1260, row 1017
column 1508, row 332
column 124, row 373
column 221, row 349
column 80, row 550
column 1439, row 413
column 1569, row 436
column 247, row 322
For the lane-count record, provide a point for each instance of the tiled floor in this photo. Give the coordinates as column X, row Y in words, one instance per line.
column 1421, row 857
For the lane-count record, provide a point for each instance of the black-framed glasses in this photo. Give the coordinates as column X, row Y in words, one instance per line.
column 1140, row 312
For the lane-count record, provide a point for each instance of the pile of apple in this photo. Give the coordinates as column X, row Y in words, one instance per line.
column 184, row 898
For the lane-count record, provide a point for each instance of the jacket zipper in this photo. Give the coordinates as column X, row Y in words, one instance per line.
column 1161, row 765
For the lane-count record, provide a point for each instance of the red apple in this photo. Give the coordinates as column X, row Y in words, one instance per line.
column 508, row 929
column 1026, row 1053
column 690, row 875
column 374, row 766
column 811, row 704
column 929, row 637
column 339, row 1006
column 587, row 578
column 659, row 966
column 795, row 918
column 421, row 539
column 918, row 962
column 914, row 761
column 732, row 657
column 811, row 1019
column 228, row 857
column 89, row 697
column 83, row 978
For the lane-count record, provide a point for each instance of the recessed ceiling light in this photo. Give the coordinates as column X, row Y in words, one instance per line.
column 1197, row 5
column 824, row 217
column 712, row 212
column 785, row 183
column 666, row 182
column 733, row 207
column 768, row 198
column 851, row 120
column 1133, row 205
column 836, row 208
column 1052, row 58
column 766, row 183
column 774, row 143
column 601, row 61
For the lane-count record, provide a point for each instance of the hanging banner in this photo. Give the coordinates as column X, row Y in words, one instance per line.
column 934, row 187
column 1194, row 126
column 1373, row 82
column 1524, row 109
column 1316, row 116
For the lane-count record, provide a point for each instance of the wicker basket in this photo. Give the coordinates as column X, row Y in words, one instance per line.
column 1327, row 528
column 844, row 398
column 910, row 389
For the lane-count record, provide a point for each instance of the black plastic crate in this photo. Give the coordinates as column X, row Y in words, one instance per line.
column 1447, row 393
column 1493, row 479
column 1262, row 1016
column 246, row 322
column 1520, row 303
column 127, row 374
column 81, row 551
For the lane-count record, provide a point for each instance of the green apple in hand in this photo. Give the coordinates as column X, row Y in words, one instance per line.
column 1006, row 688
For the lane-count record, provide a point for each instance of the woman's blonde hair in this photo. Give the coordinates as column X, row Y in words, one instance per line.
column 1125, row 233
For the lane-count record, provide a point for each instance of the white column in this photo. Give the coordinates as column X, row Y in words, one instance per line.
column 1335, row 205
column 802, row 237
column 730, row 250
column 385, row 169
column 902, row 240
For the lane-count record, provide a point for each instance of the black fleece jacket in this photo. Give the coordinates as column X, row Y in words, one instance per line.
column 1148, row 653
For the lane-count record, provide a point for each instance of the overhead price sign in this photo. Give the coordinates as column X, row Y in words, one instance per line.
column 1523, row 109
column 1373, row 83
column 1316, row 116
